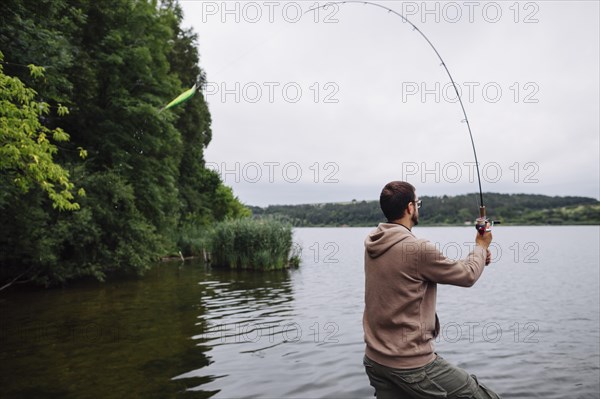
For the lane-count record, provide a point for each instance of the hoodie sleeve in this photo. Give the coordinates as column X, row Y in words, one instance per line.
column 433, row 266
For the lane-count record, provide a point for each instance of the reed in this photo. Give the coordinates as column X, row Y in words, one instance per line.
column 261, row 244
column 193, row 240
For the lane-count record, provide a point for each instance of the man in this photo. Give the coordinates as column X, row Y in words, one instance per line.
column 400, row 322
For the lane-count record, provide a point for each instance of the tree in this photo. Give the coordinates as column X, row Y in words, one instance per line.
column 114, row 64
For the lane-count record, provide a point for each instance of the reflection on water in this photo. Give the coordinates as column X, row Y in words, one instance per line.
column 528, row 328
column 138, row 337
column 252, row 310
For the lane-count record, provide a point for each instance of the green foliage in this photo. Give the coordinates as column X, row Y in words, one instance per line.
column 227, row 206
column 461, row 209
column 26, row 149
column 106, row 69
column 111, row 235
column 25, row 237
column 252, row 244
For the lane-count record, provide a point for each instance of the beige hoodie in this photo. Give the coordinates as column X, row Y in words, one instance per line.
column 401, row 276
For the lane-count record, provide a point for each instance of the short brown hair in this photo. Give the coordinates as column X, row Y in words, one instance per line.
column 394, row 199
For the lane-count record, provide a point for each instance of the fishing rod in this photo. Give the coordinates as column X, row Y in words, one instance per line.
column 482, row 222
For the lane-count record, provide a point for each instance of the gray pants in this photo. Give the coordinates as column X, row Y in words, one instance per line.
column 438, row 379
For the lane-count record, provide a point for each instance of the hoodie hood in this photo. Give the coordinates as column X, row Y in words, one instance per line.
column 385, row 236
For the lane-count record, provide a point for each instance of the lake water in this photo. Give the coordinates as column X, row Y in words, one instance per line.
column 529, row 328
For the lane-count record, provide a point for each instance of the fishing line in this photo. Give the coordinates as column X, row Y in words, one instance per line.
column 480, row 225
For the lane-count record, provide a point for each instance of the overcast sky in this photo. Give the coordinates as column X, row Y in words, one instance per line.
column 329, row 106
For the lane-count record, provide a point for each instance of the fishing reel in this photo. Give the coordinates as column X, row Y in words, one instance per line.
column 481, row 224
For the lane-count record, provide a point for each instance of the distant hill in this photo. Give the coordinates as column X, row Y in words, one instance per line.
column 529, row 209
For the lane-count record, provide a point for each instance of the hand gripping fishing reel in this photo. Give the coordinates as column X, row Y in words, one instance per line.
column 483, row 224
